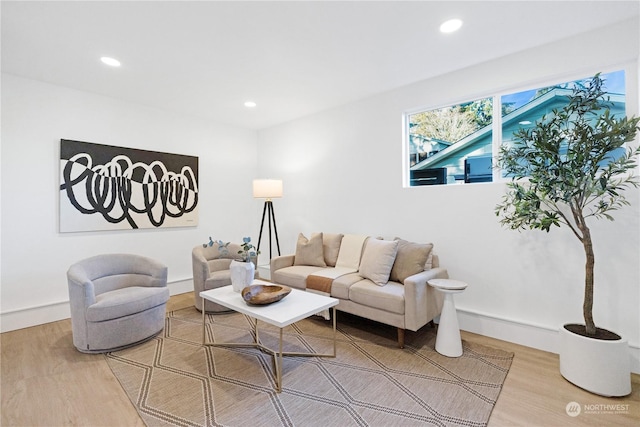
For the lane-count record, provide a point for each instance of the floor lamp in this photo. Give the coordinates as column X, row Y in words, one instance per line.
column 268, row 189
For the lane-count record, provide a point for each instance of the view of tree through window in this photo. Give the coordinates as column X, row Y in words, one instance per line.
column 454, row 144
column 440, row 140
column 524, row 109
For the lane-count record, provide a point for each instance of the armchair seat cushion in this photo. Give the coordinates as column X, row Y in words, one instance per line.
column 126, row 301
column 389, row 297
column 217, row 279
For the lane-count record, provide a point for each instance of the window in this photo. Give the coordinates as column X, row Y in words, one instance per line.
column 441, row 140
column 454, row 144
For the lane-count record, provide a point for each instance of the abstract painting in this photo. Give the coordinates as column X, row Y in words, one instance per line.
column 103, row 187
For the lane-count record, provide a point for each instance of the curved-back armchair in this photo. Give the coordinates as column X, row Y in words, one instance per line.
column 117, row 300
column 210, row 271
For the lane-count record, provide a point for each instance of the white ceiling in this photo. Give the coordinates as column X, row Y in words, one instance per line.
column 207, row 58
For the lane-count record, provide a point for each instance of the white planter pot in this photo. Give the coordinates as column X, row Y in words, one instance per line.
column 598, row 366
column 242, row 274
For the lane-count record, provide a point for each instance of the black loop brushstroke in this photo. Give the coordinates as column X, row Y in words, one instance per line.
column 104, row 193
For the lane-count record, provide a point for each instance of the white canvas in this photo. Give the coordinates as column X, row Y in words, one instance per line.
column 114, row 188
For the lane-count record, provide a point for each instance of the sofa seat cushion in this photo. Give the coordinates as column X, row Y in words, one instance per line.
column 295, row 276
column 218, row 279
column 340, row 286
column 126, row 301
column 389, row 297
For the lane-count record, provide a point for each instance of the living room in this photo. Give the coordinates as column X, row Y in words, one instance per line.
column 342, row 171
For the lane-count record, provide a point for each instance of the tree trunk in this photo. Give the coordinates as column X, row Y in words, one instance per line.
column 587, row 307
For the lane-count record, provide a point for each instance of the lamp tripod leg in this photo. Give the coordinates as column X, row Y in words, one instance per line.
column 275, row 229
column 269, row 214
column 264, row 211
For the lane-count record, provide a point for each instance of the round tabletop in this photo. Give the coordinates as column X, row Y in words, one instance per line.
column 448, row 284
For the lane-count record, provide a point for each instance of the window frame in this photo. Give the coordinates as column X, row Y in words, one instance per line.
column 632, row 87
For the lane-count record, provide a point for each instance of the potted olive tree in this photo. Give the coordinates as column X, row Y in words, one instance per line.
column 572, row 167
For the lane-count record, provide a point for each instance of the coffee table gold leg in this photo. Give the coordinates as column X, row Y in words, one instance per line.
column 204, row 327
column 334, row 331
column 277, row 355
column 279, row 365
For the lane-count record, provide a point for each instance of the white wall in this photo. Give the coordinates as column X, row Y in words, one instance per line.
column 35, row 256
column 342, row 172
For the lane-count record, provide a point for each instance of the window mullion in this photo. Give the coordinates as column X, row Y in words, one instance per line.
column 497, row 136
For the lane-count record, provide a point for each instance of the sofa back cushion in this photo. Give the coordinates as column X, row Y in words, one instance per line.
column 310, row 251
column 411, row 259
column 377, row 260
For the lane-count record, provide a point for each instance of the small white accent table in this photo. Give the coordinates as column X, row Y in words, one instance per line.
column 296, row 306
column 448, row 342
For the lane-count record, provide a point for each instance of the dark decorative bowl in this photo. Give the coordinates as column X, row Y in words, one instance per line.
column 264, row 294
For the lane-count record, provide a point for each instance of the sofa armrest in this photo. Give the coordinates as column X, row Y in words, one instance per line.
column 422, row 302
column 281, row 262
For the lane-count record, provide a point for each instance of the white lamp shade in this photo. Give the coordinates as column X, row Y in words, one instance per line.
column 267, row 188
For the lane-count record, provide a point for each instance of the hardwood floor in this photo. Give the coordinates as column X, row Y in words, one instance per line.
column 46, row 382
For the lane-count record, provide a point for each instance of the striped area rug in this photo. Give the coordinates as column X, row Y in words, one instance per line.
column 174, row 381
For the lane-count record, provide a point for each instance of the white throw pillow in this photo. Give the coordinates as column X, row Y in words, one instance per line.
column 377, row 260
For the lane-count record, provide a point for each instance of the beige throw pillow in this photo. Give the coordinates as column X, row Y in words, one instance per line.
column 331, row 247
column 309, row 251
column 410, row 260
column 377, row 260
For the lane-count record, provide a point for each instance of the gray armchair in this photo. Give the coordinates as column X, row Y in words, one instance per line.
column 117, row 300
column 210, row 271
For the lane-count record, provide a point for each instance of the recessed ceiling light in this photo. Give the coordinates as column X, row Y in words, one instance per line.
column 525, row 122
column 451, row 25
column 110, row 61
column 250, row 104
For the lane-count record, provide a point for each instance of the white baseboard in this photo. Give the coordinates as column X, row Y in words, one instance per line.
column 178, row 287
column 33, row 316
column 540, row 337
column 37, row 315
column 264, row 271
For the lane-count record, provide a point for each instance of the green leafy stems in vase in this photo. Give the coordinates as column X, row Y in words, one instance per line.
column 247, row 253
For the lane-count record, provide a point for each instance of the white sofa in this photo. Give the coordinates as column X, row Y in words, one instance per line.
column 381, row 280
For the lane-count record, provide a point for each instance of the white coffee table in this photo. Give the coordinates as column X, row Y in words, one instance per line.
column 448, row 342
column 296, row 306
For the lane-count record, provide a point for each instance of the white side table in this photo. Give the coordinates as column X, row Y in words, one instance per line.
column 448, row 342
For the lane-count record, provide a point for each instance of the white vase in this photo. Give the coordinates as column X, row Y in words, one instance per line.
column 242, row 274
column 599, row 366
